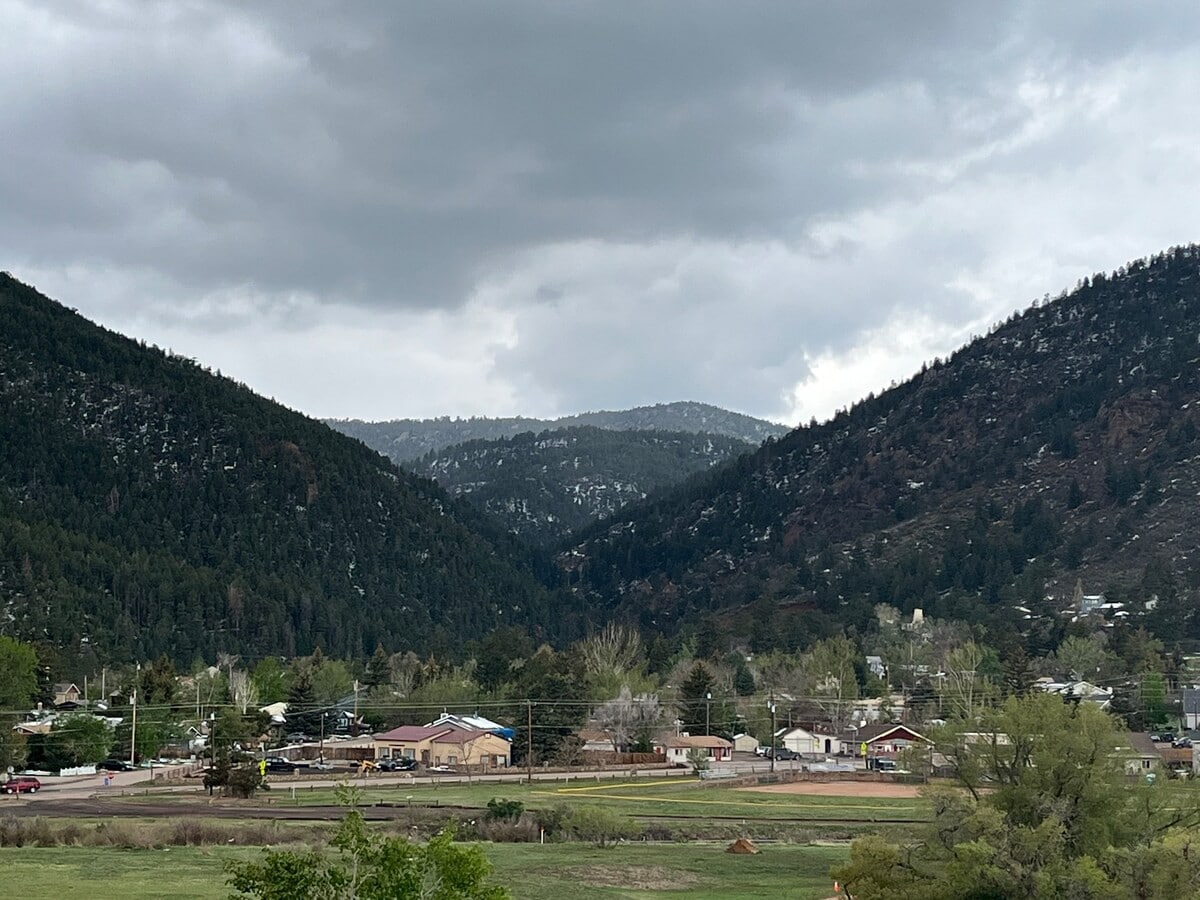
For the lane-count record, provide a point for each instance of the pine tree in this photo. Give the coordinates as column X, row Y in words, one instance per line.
column 378, row 672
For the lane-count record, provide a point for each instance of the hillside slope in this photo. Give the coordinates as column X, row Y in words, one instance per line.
column 147, row 505
column 1060, row 449
column 544, row 486
column 404, row 440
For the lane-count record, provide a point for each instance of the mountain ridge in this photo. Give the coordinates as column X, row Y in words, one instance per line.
column 544, row 486
column 405, row 440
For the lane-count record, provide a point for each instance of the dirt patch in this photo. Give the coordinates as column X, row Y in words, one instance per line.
column 639, row 878
column 884, row 789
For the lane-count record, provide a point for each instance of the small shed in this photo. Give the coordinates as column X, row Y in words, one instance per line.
column 745, row 743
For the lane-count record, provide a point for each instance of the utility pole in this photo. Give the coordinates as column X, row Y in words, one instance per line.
column 354, row 727
column 771, row 706
column 133, row 724
column 529, row 748
column 321, row 748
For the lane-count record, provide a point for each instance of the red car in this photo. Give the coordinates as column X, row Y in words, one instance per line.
column 21, row 784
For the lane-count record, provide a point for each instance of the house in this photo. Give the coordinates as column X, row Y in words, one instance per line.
column 66, row 694
column 1076, row 691
column 596, row 740
column 474, row 723
column 873, row 741
column 745, row 743
column 814, row 739
column 1138, row 753
column 1191, row 708
column 677, row 747
column 276, row 712
column 443, row 745
column 876, row 667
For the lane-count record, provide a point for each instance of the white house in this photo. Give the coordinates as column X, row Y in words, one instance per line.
column 677, row 747
column 816, row 739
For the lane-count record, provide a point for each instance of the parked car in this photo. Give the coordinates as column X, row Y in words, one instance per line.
column 782, row 753
column 279, row 765
column 442, row 770
column 1165, row 737
column 21, row 784
column 1183, row 743
column 115, row 765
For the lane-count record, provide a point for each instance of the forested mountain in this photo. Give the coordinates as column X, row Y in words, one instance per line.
column 1060, row 450
column 544, row 486
column 403, row 440
column 147, row 505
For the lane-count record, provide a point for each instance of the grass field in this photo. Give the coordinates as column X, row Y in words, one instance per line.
column 645, row 798
column 531, row 871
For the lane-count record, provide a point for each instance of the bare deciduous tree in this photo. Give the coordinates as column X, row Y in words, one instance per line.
column 626, row 718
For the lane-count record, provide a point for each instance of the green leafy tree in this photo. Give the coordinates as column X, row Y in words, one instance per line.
column 1043, row 809
column 370, row 867
column 18, row 687
column 18, row 674
column 332, row 681
column 270, row 681
column 14, row 748
column 76, row 741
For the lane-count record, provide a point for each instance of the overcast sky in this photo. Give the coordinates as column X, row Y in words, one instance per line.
column 390, row 210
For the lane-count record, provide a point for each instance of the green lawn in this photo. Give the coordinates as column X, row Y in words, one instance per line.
column 633, row 798
column 531, row 871
column 697, row 871
column 52, row 873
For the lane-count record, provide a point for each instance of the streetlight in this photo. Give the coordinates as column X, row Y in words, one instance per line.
column 321, row 749
column 707, row 705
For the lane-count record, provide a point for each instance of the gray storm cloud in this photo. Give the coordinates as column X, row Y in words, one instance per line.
column 413, row 209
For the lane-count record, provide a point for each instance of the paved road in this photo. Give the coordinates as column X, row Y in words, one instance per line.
column 145, row 781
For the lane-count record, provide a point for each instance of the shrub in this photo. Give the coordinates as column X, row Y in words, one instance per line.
column 504, row 810
column 244, row 781
column 601, row 826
